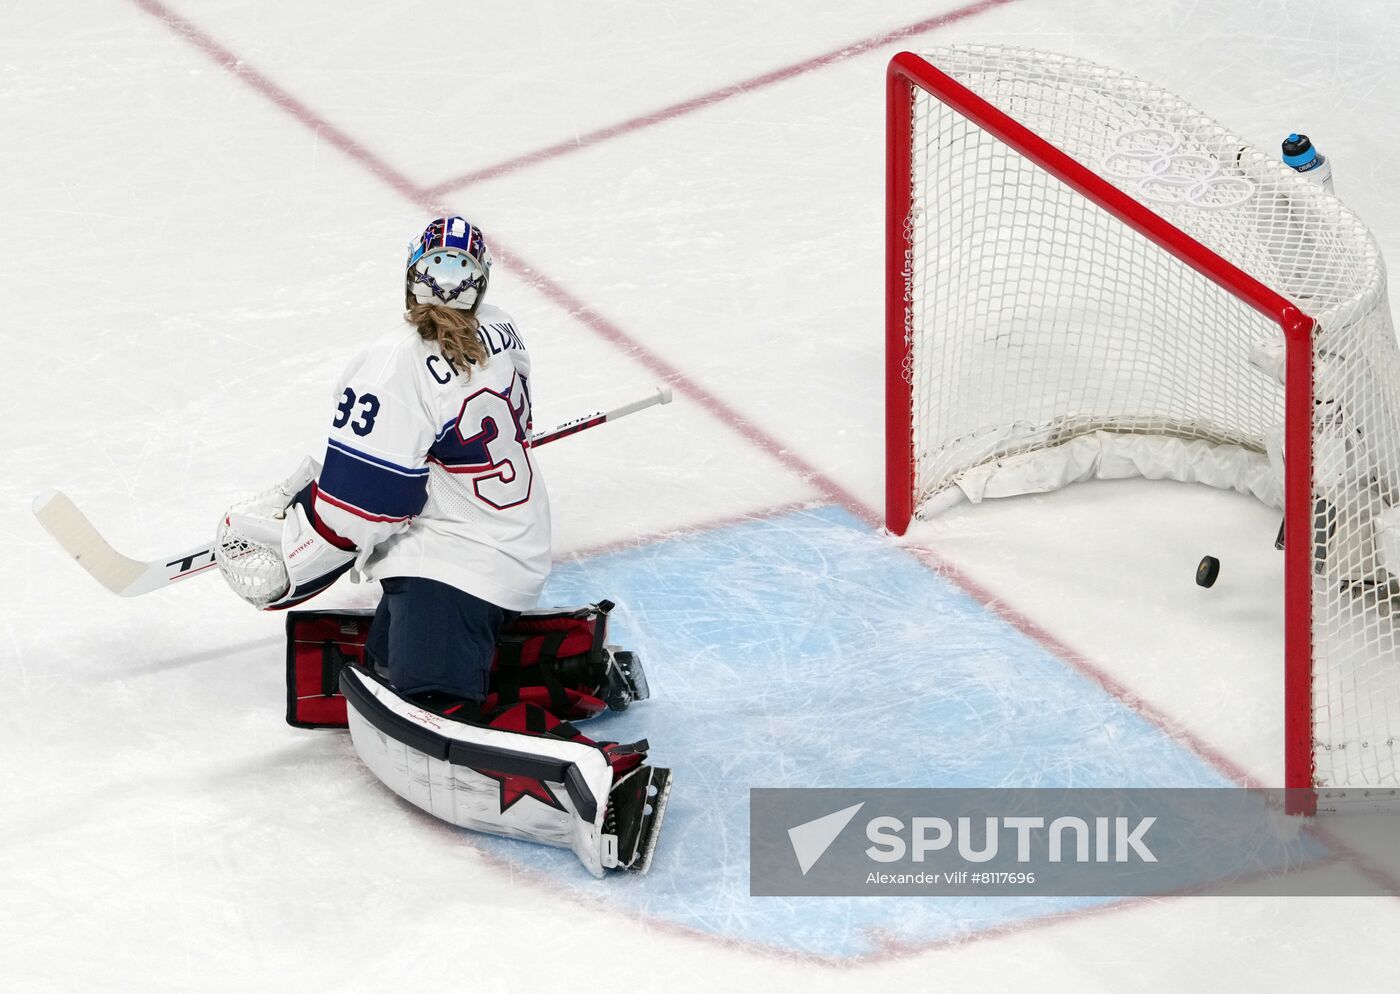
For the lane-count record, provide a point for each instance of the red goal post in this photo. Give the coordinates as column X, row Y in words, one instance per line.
column 910, row 79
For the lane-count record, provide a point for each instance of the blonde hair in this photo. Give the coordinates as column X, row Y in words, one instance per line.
column 454, row 331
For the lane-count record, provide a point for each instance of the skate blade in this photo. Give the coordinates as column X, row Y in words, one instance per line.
column 662, row 782
column 638, row 678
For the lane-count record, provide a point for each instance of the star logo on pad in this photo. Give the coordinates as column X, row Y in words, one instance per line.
column 514, row 787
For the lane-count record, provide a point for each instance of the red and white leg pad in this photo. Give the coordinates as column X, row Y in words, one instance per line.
column 525, row 774
column 559, row 659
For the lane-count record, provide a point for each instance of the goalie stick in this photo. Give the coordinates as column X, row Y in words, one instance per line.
column 129, row 577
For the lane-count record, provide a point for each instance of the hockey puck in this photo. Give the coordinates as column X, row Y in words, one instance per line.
column 1207, row 571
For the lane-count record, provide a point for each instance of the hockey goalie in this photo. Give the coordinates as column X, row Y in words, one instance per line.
column 459, row 695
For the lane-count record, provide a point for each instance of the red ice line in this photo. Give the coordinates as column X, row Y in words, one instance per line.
column 425, row 197
column 600, row 325
column 636, row 350
column 713, row 97
column 267, row 88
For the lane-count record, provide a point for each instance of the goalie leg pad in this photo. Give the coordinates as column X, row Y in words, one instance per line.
column 526, row 775
column 319, row 645
column 558, row 660
column 636, row 800
column 561, row 660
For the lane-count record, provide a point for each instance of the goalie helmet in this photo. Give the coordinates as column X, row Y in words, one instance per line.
column 449, row 265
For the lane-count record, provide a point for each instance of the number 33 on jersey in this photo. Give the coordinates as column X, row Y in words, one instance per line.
column 487, row 444
column 415, row 440
column 369, row 410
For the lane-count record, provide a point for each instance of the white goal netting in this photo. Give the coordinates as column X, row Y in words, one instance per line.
column 1050, row 342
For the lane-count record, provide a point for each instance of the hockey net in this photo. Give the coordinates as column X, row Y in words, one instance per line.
column 1088, row 278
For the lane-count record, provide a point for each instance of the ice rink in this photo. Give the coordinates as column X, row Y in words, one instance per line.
column 204, row 213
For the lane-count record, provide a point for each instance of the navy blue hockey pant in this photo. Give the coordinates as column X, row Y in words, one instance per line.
column 433, row 637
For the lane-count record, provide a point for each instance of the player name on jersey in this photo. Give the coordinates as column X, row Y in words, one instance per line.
column 498, row 336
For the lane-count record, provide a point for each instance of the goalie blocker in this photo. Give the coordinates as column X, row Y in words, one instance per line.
column 509, row 765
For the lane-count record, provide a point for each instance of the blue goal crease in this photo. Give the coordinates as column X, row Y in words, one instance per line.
column 806, row 651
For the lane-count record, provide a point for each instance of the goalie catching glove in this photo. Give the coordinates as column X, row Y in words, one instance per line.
column 272, row 549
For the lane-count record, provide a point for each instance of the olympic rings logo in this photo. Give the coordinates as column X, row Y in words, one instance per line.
column 1151, row 161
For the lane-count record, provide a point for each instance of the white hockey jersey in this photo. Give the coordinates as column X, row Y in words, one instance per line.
column 429, row 472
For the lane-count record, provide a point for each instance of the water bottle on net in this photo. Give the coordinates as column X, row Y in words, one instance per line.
column 1300, row 155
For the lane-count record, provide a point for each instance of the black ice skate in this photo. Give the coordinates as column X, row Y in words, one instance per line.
column 624, row 681
column 636, row 806
column 619, row 680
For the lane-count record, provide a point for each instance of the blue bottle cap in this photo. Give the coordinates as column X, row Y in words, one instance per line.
column 1298, row 151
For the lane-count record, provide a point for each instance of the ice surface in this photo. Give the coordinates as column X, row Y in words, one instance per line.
column 803, row 650
column 188, row 264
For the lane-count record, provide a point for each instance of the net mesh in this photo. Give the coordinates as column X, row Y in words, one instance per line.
column 1046, row 336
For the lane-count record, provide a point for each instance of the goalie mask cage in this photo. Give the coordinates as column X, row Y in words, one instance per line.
column 1087, row 278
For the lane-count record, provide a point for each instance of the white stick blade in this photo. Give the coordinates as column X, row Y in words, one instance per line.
column 72, row 530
